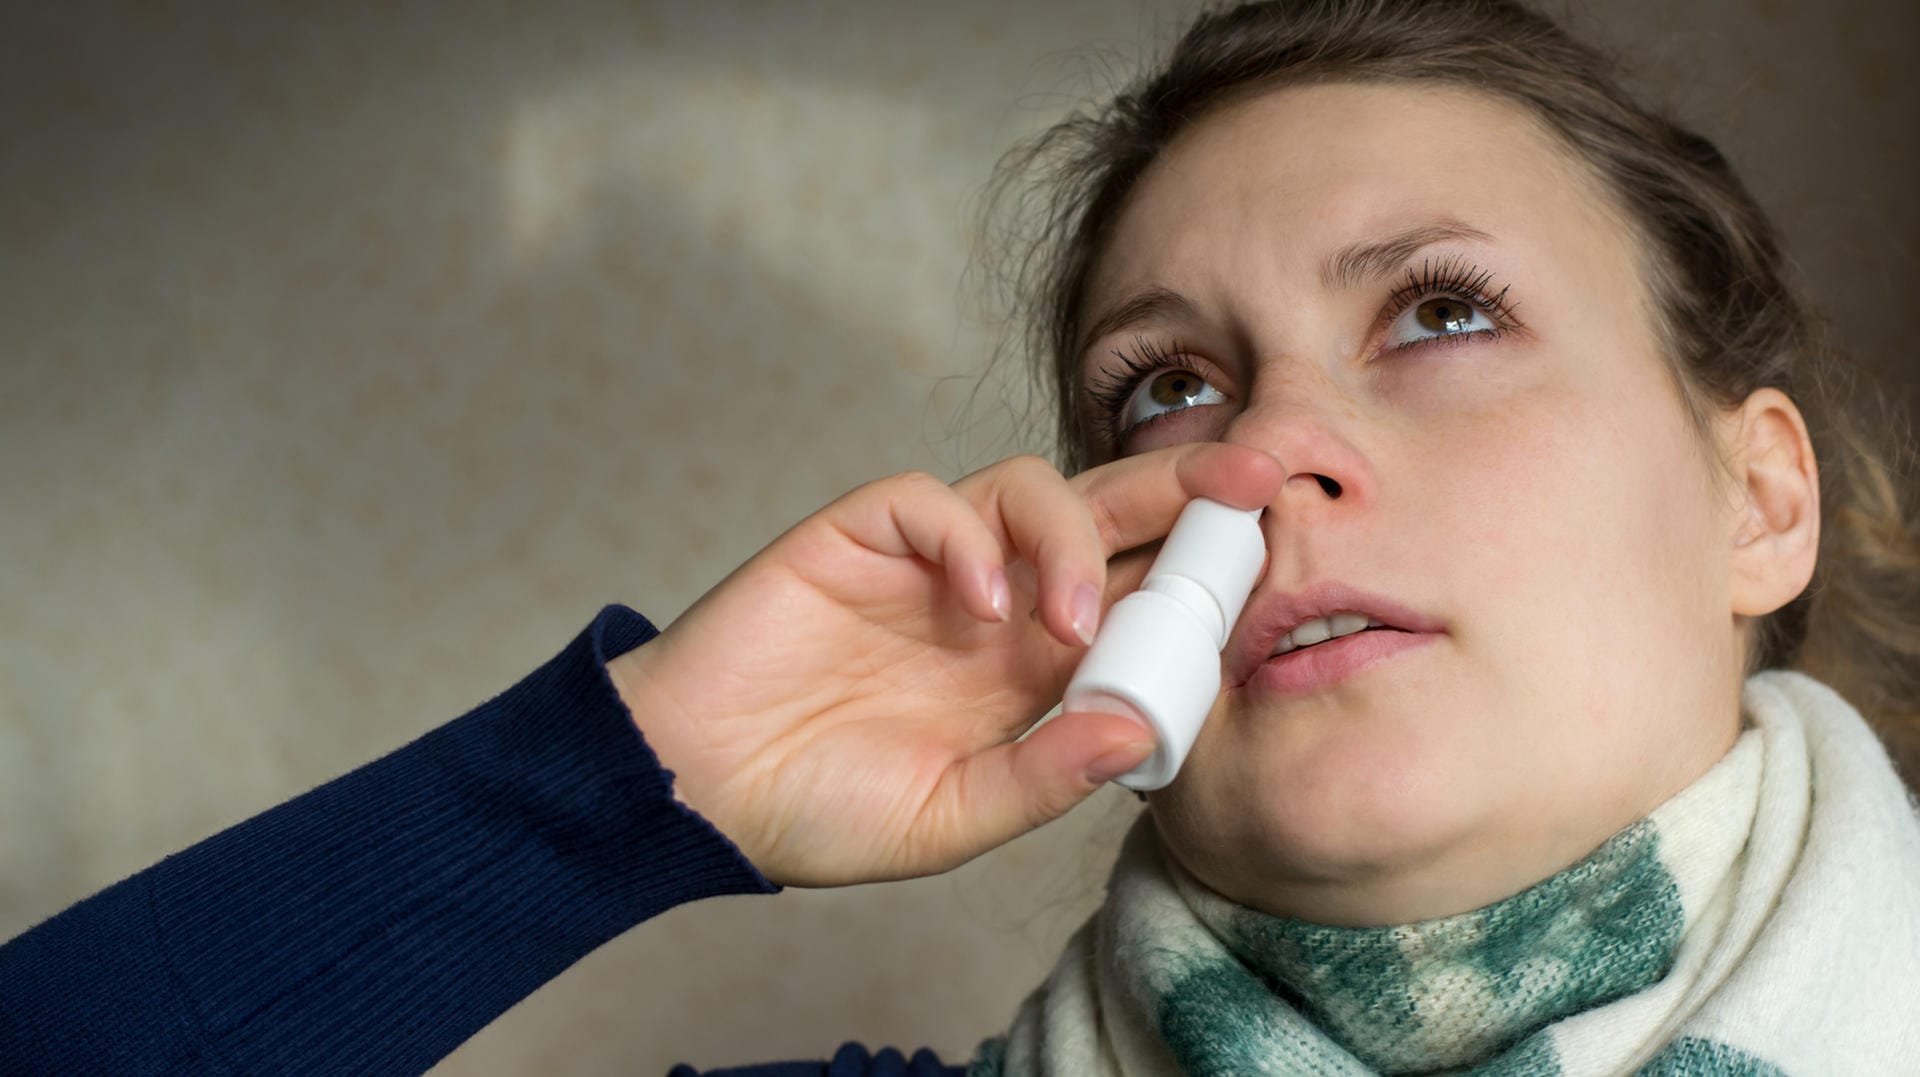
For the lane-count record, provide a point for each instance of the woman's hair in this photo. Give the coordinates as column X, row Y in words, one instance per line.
column 1729, row 316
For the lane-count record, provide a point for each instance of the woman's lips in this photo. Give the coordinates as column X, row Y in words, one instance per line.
column 1309, row 669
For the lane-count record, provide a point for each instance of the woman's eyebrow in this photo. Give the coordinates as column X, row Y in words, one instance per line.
column 1153, row 304
column 1371, row 259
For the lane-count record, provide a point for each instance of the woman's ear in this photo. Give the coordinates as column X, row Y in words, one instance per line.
column 1775, row 533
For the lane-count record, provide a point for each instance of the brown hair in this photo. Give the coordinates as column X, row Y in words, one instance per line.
column 1730, row 317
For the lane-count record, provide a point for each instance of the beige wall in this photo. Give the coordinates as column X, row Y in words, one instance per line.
column 355, row 356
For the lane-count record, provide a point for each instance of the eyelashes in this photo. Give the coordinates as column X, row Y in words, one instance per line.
column 1452, row 276
column 1113, row 390
column 1146, row 358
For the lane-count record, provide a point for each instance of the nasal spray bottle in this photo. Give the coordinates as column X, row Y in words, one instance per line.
column 1156, row 656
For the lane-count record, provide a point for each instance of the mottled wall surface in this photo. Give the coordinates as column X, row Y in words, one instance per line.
column 354, row 356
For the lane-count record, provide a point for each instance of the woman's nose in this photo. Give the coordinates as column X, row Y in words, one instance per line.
column 1315, row 442
column 1327, row 483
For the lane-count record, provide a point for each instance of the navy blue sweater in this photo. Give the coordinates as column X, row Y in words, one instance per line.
column 375, row 923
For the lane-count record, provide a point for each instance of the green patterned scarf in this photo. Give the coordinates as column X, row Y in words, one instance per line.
column 1765, row 920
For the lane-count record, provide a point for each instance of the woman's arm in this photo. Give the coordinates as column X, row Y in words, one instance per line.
column 375, row 923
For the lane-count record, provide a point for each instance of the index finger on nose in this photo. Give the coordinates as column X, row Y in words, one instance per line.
column 1136, row 499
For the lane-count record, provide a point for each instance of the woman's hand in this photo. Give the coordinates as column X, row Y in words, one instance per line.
column 845, row 705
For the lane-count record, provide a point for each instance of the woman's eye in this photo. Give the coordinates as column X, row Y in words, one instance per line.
column 1175, row 388
column 1441, row 316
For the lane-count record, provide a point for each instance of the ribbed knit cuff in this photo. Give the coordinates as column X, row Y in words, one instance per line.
column 377, row 922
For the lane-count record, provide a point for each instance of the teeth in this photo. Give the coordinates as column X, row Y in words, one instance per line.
column 1321, row 629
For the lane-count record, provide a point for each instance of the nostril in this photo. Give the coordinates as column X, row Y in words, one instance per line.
column 1332, row 488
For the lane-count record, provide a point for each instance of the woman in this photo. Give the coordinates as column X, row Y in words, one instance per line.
column 1511, row 365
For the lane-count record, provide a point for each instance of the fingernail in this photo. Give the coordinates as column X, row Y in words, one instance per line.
column 1119, row 761
column 1086, row 612
column 1002, row 595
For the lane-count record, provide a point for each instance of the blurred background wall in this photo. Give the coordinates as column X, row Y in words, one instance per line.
column 356, row 354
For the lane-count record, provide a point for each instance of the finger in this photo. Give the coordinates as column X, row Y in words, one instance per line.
column 1127, row 571
column 914, row 513
column 1137, row 499
column 1009, row 789
column 1049, row 527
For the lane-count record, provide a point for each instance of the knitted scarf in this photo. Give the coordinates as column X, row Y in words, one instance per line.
column 1765, row 920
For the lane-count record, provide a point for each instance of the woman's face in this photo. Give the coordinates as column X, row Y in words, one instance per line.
column 1534, row 490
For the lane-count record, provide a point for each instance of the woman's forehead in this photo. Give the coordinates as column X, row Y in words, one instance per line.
column 1280, row 181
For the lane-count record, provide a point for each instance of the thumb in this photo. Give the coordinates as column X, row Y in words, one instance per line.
column 1014, row 788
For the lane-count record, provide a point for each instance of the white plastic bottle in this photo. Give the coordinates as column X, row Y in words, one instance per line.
column 1156, row 656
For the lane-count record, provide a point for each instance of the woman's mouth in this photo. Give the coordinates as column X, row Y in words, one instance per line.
column 1322, row 665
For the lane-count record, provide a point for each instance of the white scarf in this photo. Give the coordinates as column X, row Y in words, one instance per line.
column 1763, row 921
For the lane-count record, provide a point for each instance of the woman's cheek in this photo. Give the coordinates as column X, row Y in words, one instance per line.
column 1459, row 379
column 1513, row 472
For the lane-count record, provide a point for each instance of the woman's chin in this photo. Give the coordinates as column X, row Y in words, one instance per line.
column 1342, row 808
